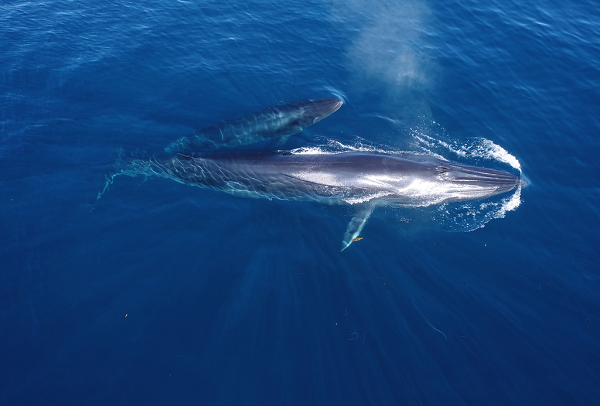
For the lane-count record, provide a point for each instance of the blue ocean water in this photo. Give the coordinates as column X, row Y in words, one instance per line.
column 162, row 293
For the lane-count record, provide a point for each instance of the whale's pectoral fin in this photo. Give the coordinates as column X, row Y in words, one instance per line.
column 357, row 223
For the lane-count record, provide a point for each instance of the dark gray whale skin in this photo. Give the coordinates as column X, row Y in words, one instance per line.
column 363, row 179
column 273, row 122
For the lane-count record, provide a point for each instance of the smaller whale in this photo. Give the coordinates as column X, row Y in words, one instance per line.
column 277, row 121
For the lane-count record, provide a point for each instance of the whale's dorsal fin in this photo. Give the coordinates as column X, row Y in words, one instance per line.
column 363, row 212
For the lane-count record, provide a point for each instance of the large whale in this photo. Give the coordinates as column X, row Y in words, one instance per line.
column 273, row 122
column 364, row 180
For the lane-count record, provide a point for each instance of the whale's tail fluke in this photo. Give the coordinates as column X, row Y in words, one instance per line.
column 123, row 163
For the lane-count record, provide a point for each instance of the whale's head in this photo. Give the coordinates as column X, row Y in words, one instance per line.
column 406, row 179
column 424, row 180
column 313, row 111
column 464, row 182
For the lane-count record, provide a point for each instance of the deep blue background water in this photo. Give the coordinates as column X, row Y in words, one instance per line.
column 161, row 293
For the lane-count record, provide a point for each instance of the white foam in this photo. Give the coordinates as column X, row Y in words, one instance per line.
column 310, row 151
column 497, row 152
column 510, row 203
column 469, row 216
column 337, row 147
column 476, row 148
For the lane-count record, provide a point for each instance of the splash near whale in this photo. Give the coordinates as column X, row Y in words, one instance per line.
column 359, row 178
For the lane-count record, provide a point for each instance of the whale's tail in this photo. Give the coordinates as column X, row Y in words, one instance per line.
column 123, row 163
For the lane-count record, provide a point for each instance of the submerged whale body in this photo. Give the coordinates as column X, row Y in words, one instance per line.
column 273, row 122
column 364, row 180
